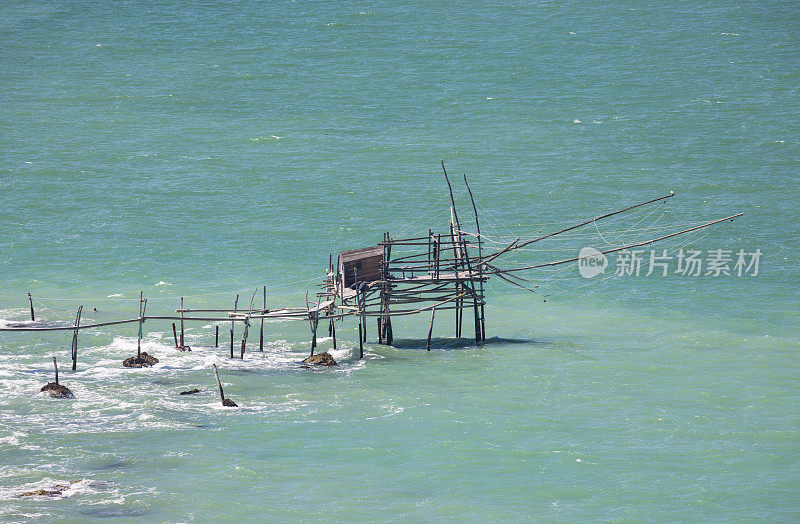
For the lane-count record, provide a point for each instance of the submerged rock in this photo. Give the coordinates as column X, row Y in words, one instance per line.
column 57, row 390
column 58, row 489
column 190, row 392
column 320, row 359
column 228, row 403
column 183, row 348
column 142, row 361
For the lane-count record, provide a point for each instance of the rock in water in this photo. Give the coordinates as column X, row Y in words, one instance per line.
column 320, row 359
column 228, row 403
column 57, row 390
column 183, row 348
column 58, row 489
column 142, row 361
column 190, row 392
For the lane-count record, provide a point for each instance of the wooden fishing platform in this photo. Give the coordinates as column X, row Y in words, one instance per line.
column 435, row 271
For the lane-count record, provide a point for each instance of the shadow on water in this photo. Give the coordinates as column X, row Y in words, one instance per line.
column 115, row 513
column 117, row 464
column 462, row 343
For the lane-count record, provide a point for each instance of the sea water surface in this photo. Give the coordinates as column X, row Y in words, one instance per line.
column 204, row 150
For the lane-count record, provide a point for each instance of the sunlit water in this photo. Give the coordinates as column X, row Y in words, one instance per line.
column 206, row 151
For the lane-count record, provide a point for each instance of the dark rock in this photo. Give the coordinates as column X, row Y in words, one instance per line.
column 142, row 361
column 228, row 403
column 190, row 392
column 183, row 348
column 58, row 489
column 305, row 367
column 57, row 390
column 320, row 359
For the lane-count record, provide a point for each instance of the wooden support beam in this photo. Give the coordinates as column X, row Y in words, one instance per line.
column 33, row 318
column 181, row 344
column 235, row 308
column 430, row 329
column 75, row 338
column 261, row 331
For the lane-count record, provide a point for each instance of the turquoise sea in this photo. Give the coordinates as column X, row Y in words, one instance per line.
column 205, row 149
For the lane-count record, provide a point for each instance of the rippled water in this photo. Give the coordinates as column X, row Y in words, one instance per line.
column 203, row 151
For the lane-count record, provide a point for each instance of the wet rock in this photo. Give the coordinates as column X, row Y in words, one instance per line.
column 183, row 348
column 228, row 403
column 142, row 361
column 320, row 359
column 190, row 392
column 57, row 390
column 305, row 367
column 58, row 489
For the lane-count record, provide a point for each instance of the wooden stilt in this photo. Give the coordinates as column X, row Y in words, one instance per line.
column 219, row 384
column 360, row 342
column 33, row 318
column 175, row 335
column 55, row 365
column 233, row 323
column 228, row 403
column 430, row 329
column 142, row 307
column 173, row 326
column 75, row 339
column 314, row 325
column 244, row 337
column 261, row 331
column 333, row 332
column 216, row 336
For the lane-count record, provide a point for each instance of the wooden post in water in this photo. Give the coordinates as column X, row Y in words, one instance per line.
column 481, row 316
column 75, row 339
column 55, row 365
column 333, row 332
column 174, row 335
column 221, row 393
column 228, row 403
column 142, row 308
column 430, row 329
column 173, row 326
column 360, row 342
column 30, row 301
column 263, row 312
column 235, row 308
column 244, row 337
column 216, row 336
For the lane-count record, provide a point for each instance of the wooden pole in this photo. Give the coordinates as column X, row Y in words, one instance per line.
column 333, row 332
column 173, row 326
column 480, row 257
column 261, row 331
column 55, row 365
column 142, row 308
column 216, row 336
column 75, row 339
column 244, row 337
column 235, row 308
column 30, row 301
column 360, row 343
column 221, row 393
column 430, row 329
column 174, row 335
